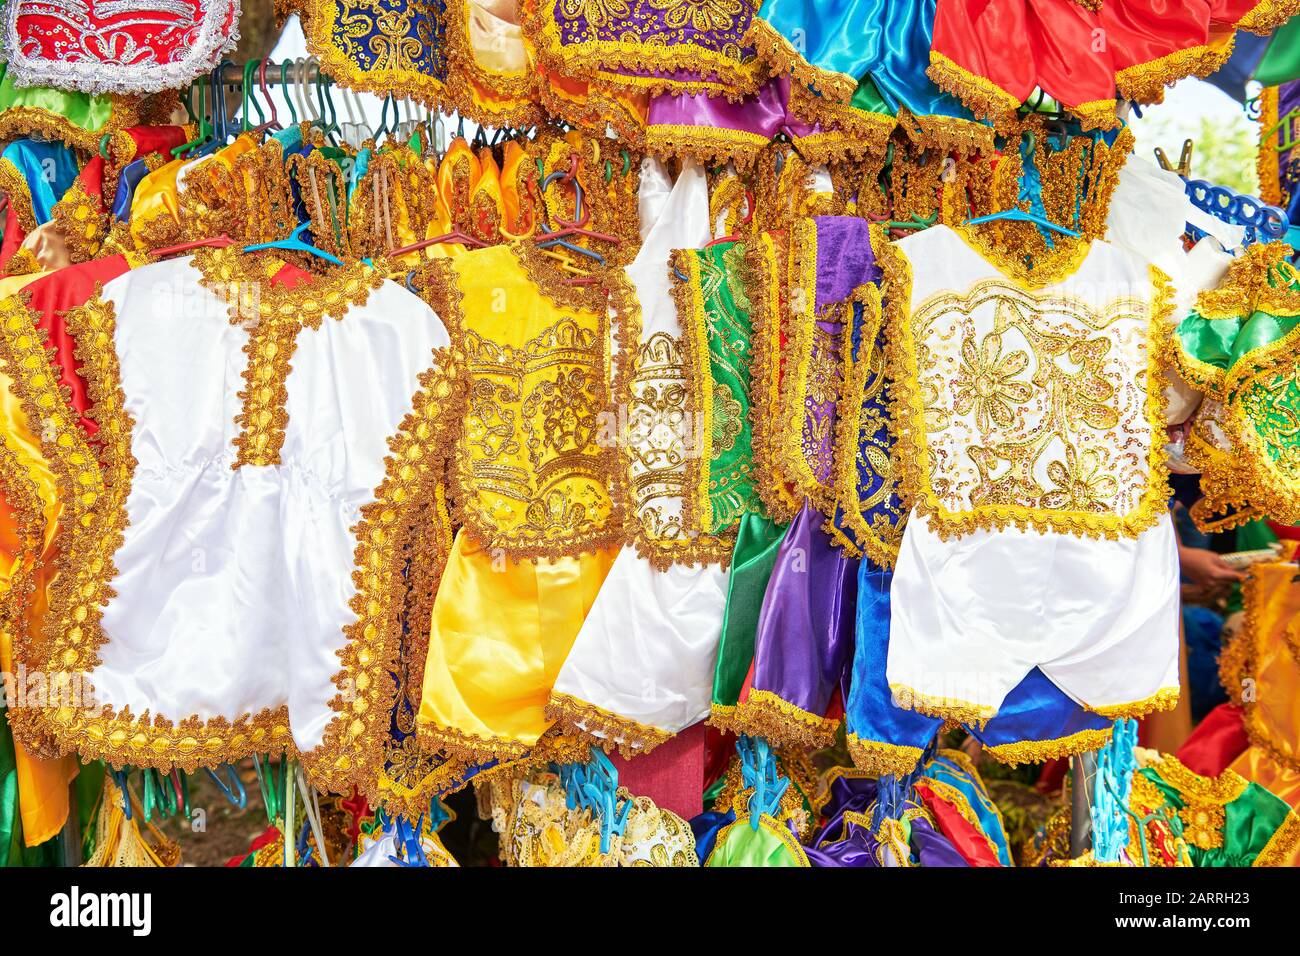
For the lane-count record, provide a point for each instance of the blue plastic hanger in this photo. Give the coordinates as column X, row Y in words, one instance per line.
column 1019, row 215
column 122, row 779
column 232, row 788
column 294, row 242
column 758, row 770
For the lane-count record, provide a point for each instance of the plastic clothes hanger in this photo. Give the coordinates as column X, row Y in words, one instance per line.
column 247, row 98
column 296, row 244
column 758, row 770
column 232, row 788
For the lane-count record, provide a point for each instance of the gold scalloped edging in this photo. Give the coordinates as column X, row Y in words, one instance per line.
column 764, row 262
column 709, row 145
column 980, row 95
column 908, row 415
column 352, row 747
column 95, row 498
column 1146, row 82
column 1267, row 15
column 779, row 58
column 946, row 708
column 1040, row 751
column 878, row 758
column 1096, row 114
column 948, row 133
column 1245, row 288
column 1266, row 156
column 1280, row 850
column 22, row 498
column 603, row 728
column 471, row 748
column 13, row 185
column 601, row 62
column 866, row 538
column 1164, row 699
column 766, row 714
column 82, row 221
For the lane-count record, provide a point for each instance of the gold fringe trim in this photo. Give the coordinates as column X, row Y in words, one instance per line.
column 780, row 58
column 470, row 748
column 1040, row 751
column 604, row 728
column 1164, row 699
column 877, row 758
column 1280, row 850
column 981, row 95
column 1146, row 82
column 708, row 145
column 1267, row 15
column 766, row 714
column 946, row 708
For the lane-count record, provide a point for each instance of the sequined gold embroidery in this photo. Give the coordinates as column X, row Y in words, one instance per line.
column 1023, row 407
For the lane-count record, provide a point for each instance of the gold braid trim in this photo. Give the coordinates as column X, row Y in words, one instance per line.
column 1280, row 850
column 709, row 145
column 765, row 261
column 1267, row 15
column 879, row 541
column 17, row 122
column 697, row 509
column 1039, row 751
column 276, row 314
column 1246, row 288
column 801, row 344
column 947, row 708
column 947, row 133
column 877, row 758
column 981, row 95
column 95, row 498
column 13, row 185
column 779, row 58
column 1164, row 699
column 352, row 749
column 23, row 263
column 766, row 714
column 1146, row 82
column 81, row 221
column 603, row 728
column 1266, row 157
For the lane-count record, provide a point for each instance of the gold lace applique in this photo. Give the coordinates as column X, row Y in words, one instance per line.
column 94, row 494
column 1039, row 419
column 274, row 315
column 357, row 741
column 530, row 475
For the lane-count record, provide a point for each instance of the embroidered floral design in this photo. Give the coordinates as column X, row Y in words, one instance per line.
column 986, row 382
column 1079, row 482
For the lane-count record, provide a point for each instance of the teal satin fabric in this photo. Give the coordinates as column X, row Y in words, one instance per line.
column 948, row 771
column 886, row 41
column 49, row 169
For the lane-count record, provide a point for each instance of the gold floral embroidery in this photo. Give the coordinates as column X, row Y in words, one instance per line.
column 530, row 476
column 1038, row 423
column 1203, row 825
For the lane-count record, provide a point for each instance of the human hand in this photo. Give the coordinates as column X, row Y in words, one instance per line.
column 1206, row 569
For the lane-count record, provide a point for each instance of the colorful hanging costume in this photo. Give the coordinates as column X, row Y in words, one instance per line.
column 209, row 528
column 641, row 666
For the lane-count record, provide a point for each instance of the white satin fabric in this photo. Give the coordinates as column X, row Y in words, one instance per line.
column 233, row 585
column 647, row 648
column 970, row 617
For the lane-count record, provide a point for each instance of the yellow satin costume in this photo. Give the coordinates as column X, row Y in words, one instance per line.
column 531, row 480
column 29, row 512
